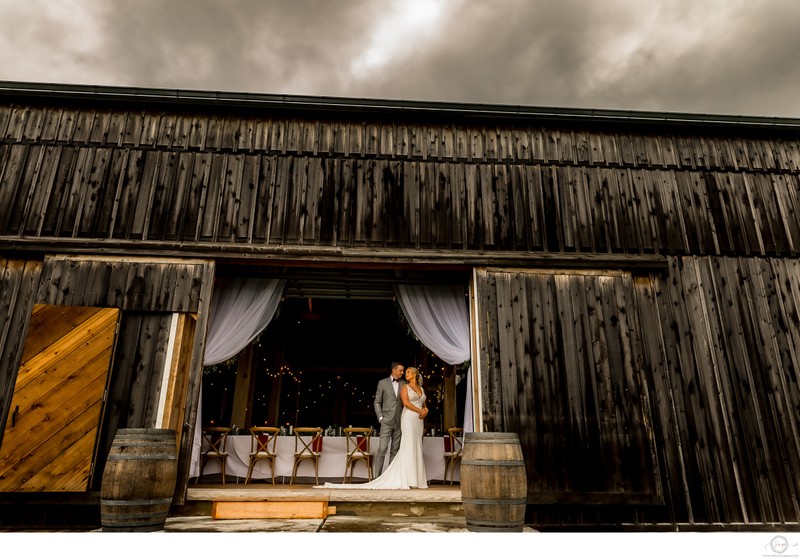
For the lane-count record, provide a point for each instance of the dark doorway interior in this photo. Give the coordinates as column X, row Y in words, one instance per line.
column 318, row 362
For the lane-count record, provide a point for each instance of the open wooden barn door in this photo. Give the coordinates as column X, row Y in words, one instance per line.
column 110, row 342
column 51, row 431
column 561, row 363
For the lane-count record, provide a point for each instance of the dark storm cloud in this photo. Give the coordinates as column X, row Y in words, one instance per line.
column 237, row 45
column 502, row 50
column 572, row 53
column 714, row 56
column 742, row 65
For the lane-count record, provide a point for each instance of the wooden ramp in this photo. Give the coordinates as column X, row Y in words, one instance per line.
column 267, row 492
column 240, row 502
column 244, row 510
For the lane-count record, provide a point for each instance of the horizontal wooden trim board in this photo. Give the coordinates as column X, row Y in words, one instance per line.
column 125, row 259
column 238, row 510
column 466, row 258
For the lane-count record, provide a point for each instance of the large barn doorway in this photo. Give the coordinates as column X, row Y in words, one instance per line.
column 334, row 336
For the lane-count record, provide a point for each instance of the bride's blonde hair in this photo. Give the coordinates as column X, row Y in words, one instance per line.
column 417, row 374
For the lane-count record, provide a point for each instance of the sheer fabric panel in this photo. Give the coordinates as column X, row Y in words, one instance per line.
column 240, row 310
column 439, row 317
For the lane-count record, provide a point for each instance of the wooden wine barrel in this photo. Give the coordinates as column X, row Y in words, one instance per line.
column 494, row 487
column 139, row 480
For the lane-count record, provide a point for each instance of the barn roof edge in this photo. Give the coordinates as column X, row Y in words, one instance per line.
column 456, row 110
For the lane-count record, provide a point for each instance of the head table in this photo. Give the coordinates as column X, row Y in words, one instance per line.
column 333, row 459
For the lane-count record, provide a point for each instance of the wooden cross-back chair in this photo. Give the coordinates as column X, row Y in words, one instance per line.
column 452, row 456
column 215, row 440
column 358, row 450
column 307, row 446
column 262, row 447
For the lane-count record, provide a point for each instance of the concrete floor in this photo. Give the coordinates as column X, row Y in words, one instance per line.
column 332, row 524
column 437, row 509
column 234, row 492
column 433, row 510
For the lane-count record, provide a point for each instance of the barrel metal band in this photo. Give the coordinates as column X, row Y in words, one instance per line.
column 495, row 527
column 129, row 502
column 467, row 501
column 504, row 463
column 145, row 518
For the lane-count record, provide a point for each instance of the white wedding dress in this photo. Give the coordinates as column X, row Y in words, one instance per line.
column 407, row 470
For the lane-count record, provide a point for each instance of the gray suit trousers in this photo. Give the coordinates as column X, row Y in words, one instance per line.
column 388, row 406
column 389, row 439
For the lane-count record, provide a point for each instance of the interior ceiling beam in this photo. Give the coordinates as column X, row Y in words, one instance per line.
column 347, row 370
column 350, row 297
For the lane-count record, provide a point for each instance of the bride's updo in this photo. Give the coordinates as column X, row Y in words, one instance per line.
column 417, row 374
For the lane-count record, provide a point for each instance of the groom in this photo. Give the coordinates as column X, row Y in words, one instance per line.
column 388, row 408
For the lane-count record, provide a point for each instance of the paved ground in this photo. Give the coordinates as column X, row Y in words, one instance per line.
column 347, row 524
column 437, row 509
column 433, row 494
column 433, row 510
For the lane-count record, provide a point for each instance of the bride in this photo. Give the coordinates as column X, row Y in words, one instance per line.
column 407, row 470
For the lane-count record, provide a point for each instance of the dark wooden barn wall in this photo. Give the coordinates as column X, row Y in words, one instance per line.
column 718, row 330
column 730, row 396
column 131, row 284
column 18, row 281
column 147, row 291
column 561, row 367
column 720, row 360
column 208, row 178
column 135, row 377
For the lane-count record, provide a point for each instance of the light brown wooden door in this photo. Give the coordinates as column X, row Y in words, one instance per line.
column 50, row 433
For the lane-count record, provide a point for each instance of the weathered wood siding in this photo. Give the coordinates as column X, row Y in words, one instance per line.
column 681, row 411
column 284, row 180
column 148, row 292
column 18, row 281
column 154, row 285
column 729, row 394
column 717, row 360
column 561, row 366
column 173, row 413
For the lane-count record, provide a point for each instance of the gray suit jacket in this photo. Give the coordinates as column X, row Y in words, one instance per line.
column 387, row 405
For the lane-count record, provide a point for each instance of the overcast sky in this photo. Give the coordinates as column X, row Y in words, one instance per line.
column 738, row 57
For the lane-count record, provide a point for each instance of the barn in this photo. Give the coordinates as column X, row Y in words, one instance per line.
column 630, row 280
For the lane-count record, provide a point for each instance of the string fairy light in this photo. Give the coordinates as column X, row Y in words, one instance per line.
column 318, row 395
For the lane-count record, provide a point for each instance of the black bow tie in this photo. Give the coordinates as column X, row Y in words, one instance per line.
column 395, row 380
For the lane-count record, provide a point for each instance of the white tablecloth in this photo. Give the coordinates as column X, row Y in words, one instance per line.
column 331, row 464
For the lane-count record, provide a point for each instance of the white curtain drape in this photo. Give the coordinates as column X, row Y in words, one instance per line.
column 439, row 317
column 240, row 310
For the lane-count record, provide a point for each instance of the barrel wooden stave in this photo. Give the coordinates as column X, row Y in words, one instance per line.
column 493, row 482
column 138, row 480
